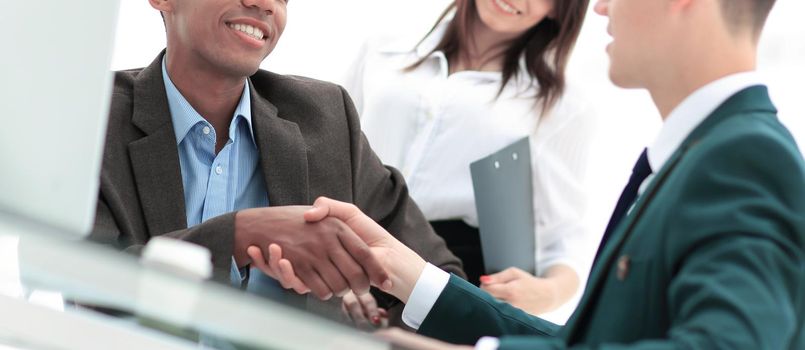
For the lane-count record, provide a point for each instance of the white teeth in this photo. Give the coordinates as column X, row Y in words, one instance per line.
column 506, row 7
column 251, row 31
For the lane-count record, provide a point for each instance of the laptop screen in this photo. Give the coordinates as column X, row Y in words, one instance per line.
column 55, row 86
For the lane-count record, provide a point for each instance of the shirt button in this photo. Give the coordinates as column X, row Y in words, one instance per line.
column 206, row 130
column 219, row 170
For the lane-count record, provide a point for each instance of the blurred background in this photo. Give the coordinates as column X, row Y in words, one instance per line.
column 322, row 38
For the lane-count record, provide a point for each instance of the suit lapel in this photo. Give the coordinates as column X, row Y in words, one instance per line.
column 283, row 154
column 750, row 99
column 621, row 234
column 155, row 157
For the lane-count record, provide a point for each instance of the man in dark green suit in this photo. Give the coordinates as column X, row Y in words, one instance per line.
column 706, row 248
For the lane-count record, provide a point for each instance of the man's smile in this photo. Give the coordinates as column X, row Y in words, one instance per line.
column 253, row 32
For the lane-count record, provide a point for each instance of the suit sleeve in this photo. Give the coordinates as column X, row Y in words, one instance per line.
column 464, row 313
column 737, row 258
column 216, row 234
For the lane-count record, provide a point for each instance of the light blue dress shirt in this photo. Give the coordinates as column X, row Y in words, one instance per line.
column 216, row 184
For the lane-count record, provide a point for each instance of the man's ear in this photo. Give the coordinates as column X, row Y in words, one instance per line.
column 162, row 5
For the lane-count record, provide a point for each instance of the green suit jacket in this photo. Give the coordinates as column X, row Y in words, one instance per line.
column 712, row 256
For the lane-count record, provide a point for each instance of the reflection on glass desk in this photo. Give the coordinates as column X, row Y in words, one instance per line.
column 112, row 301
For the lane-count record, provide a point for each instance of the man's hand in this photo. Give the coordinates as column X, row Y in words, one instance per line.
column 403, row 264
column 328, row 256
column 362, row 310
column 278, row 268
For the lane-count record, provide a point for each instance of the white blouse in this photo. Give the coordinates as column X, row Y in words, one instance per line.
column 431, row 125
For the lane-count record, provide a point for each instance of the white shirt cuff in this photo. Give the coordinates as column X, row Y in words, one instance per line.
column 487, row 343
column 426, row 291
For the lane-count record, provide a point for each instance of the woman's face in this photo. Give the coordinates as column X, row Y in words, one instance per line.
column 513, row 16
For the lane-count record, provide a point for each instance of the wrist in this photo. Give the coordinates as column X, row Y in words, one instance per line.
column 552, row 294
column 408, row 266
column 563, row 283
column 240, row 243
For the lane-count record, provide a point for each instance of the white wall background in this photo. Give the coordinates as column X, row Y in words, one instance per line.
column 322, row 37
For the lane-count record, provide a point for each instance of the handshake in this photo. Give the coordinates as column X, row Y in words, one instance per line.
column 328, row 249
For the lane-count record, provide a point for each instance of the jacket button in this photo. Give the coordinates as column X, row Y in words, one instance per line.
column 623, row 267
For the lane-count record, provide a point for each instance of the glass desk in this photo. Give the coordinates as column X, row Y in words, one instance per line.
column 153, row 309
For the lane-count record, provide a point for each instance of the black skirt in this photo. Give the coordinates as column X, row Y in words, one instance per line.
column 465, row 242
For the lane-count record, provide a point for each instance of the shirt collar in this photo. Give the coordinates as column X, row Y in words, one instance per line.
column 185, row 117
column 422, row 48
column 692, row 111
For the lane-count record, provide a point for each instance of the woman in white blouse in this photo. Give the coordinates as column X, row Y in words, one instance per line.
column 489, row 73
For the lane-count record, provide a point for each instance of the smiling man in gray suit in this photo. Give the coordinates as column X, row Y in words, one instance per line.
column 205, row 147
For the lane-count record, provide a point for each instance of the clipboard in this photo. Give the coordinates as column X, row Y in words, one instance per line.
column 504, row 201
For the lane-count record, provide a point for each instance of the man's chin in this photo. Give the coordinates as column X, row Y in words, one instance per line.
column 243, row 64
column 244, row 69
column 621, row 81
column 252, row 71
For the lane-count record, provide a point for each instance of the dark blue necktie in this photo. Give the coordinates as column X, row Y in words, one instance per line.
column 640, row 172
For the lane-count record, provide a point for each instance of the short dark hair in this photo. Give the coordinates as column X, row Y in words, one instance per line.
column 741, row 14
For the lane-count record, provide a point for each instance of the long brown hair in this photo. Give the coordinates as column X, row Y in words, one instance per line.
column 546, row 46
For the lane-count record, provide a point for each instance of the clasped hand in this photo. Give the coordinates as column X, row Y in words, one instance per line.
column 399, row 264
column 329, row 258
column 402, row 264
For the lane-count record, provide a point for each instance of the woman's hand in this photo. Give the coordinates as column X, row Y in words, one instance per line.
column 363, row 311
column 534, row 295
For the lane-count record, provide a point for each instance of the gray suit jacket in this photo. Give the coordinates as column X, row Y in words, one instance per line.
column 310, row 145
